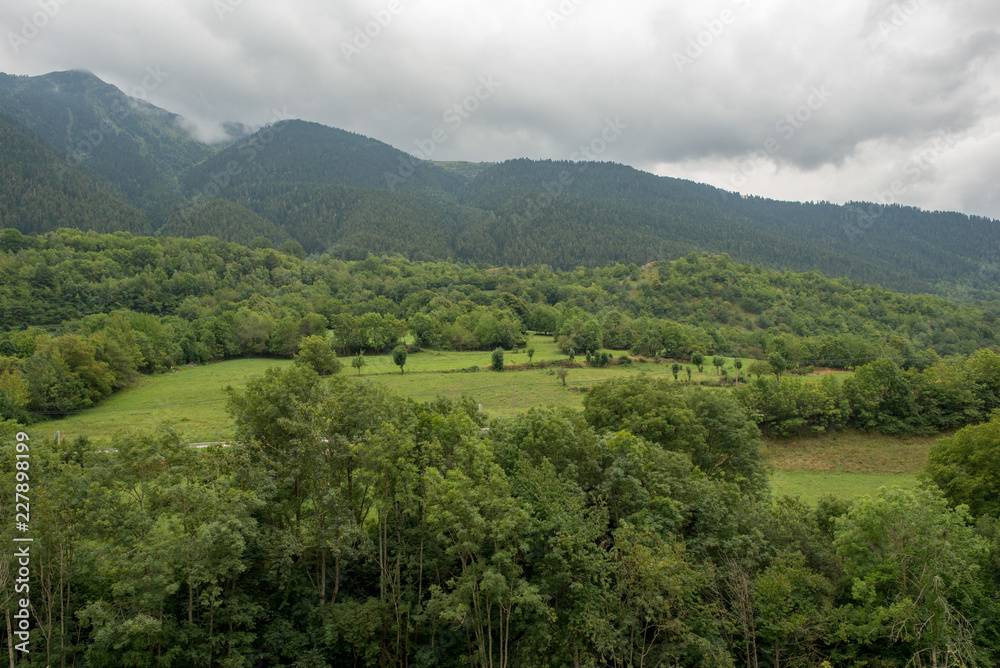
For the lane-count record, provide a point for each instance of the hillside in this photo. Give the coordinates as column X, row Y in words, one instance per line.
column 38, row 194
column 898, row 247
column 338, row 191
column 131, row 147
column 301, row 152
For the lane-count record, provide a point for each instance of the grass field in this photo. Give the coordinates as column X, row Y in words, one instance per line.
column 847, row 464
column 193, row 400
column 809, row 486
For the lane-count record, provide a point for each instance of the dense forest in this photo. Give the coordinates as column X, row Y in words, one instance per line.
column 351, row 527
column 78, row 152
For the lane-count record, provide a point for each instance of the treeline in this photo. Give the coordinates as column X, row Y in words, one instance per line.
column 881, row 396
column 351, row 527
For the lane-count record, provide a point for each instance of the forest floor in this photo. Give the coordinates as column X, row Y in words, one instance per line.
column 193, row 400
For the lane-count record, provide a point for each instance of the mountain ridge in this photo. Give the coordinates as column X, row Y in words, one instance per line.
column 332, row 190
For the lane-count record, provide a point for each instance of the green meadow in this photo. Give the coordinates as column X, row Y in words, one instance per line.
column 193, row 400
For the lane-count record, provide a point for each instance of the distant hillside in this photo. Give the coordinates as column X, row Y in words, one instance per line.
column 224, row 220
column 39, row 194
column 301, row 152
column 131, row 147
column 467, row 170
column 337, row 191
column 898, row 247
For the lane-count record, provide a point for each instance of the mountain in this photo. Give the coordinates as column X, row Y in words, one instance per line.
column 340, row 192
column 131, row 147
column 301, row 152
column 38, row 193
column 902, row 248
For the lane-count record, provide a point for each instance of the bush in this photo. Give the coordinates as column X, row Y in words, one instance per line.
column 599, row 359
column 497, row 359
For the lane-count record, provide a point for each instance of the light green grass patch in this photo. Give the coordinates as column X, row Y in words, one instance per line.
column 809, row 486
column 191, row 398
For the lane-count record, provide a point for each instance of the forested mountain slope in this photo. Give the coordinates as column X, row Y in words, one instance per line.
column 333, row 190
column 899, row 247
column 131, row 147
column 301, row 152
column 38, row 193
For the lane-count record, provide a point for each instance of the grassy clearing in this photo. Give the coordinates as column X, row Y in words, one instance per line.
column 503, row 394
column 846, row 464
column 850, row 451
column 192, row 398
column 809, row 486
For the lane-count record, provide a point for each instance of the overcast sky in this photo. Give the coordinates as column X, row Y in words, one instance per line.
column 793, row 99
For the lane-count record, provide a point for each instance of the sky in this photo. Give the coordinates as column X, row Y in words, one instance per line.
column 805, row 100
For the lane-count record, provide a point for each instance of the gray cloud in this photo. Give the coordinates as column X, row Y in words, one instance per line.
column 721, row 91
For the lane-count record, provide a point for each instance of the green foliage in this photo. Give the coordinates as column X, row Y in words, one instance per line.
column 317, row 352
column 698, row 359
column 882, row 399
column 600, row 359
column 718, row 362
column 966, row 467
column 795, row 407
column 359, row 362
column 778, row 364
column 399, row 357
column 496, row 359
column 913, row 564
column 709, row 427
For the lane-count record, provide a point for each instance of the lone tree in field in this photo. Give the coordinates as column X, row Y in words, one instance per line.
column 359, row 362
column 676, row 368
column 531, row 354
column 497, row 359
column 698, row 360
column 688, row 369
column 718, row 362
column 399, row 357
column 561, row 375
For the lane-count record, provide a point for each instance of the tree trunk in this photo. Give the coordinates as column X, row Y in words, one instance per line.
column 322, row 576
